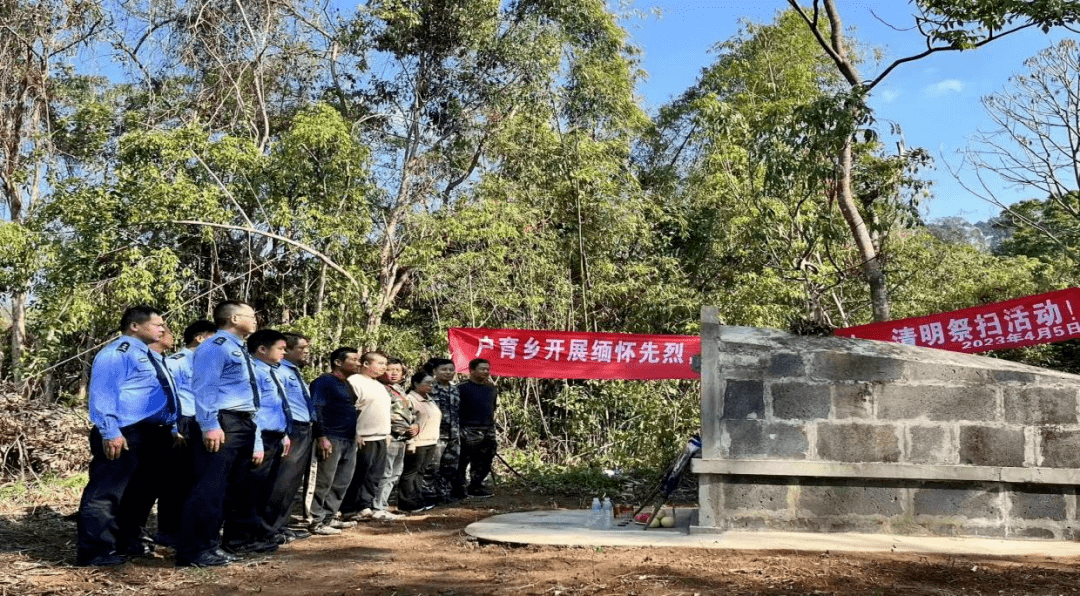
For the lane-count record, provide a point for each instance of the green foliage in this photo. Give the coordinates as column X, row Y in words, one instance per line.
column 934, row 276
column 965, row 23
column 1048, row 230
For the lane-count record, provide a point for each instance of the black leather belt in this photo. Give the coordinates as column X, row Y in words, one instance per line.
column 238, row 414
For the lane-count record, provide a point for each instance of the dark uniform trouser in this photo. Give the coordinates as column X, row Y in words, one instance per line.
column 289, row 475
column 217, row 487
column 243, row 519
column 120, row 492
column 411, row 493
column 447, row 484
column 477, row 453
column 370, row 467
column 177, row 481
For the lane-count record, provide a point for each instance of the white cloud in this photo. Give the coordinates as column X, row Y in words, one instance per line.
column 889, row 96
column 945, row 87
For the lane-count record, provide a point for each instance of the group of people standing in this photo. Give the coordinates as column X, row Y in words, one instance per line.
column 221, row 433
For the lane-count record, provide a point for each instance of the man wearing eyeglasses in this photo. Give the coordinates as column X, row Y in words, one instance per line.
column 226, row 401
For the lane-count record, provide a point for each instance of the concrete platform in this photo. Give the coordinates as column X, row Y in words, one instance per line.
column 565, row 527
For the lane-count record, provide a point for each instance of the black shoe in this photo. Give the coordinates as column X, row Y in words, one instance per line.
column 109, row 560
column 297, row 534
column 206, row 559
column 225, row 555
column 255, row 546
column 279, row 539
column 480, row 492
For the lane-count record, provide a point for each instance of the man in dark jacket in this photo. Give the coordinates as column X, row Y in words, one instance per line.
column 477, row 419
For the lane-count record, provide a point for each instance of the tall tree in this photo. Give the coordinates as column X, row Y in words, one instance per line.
column 432, row 83
column 946, row 25
column 37, row 41
column 749, row 180
column 1035, row 147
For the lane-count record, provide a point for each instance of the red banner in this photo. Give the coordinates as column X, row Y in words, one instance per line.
column 573, row 355
column 1028, row 321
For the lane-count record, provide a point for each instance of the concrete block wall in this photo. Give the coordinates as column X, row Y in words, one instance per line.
column 805, row 433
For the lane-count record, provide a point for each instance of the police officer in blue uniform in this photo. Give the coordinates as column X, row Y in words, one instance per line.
column 246, row 531
column 133, row 407
column 180, row 463
column 305, row 426
column 226, row 401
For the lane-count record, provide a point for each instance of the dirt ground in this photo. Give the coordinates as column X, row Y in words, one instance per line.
column 431, row 555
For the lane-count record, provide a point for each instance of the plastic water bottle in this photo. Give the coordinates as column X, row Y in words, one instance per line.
column 608, row 514
column 593, row 521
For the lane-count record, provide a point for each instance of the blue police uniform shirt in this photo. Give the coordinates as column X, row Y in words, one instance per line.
column 272, row 405
column 179, row 366
column 220, row 379
column 296, row 391
column 125, row 388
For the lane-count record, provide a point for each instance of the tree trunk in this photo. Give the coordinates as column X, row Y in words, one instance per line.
column 834, row 45
column 321, row 296
column 84, row 371
column 871, row 264
column 18, row 334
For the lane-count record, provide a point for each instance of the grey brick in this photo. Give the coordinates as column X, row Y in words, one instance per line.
column 851, row 500
column 1040, row 405
column 1012, row 376
column 1060, row 448
column 966, row 500
column 785, row 364
column 843, row 366
column 948, row 373
column 749, row 439
column 858, row 443
column 930, row 445
column 1042, row 533
column 744, row 399
column 906, row 402
column 852, row 401
column 799, row 401
column 987, row 446
column 755, row 496
column 1035, row 502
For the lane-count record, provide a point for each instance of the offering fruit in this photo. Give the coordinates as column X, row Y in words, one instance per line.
column 655, row 522
column 642, row 518
column 668, row 521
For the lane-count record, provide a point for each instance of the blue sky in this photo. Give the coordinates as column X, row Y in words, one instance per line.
column 935, row 100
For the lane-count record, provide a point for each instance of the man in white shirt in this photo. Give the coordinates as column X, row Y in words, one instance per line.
column 372, row 432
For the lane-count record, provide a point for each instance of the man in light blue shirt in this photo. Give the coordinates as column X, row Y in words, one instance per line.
column 305, row 426
column 226, row 401
column 181, row 464
column 246, row 531
column 133, row 407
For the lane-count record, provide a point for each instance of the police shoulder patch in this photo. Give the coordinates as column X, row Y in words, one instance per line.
column 123, row 347
column 178, row 356
column 219, row 341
